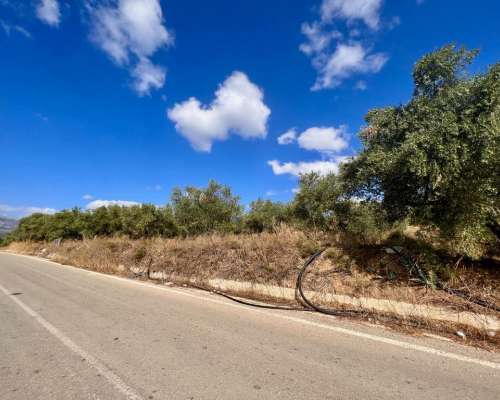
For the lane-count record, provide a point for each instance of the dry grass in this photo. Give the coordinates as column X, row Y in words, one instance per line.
column 264, row 258
column 275, row 258
column 270, row 258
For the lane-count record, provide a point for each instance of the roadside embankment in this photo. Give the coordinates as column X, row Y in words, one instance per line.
column 265, row 266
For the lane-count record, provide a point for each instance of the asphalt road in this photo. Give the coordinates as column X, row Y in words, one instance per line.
column 68, row 333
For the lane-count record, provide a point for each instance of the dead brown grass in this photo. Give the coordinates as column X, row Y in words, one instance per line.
column 269, row 258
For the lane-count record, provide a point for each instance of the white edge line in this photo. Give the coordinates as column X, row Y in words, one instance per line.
column 112, row 378
column 345, row 331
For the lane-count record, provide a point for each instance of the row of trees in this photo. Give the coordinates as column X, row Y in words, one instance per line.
column 432, row 162
column 193, row 211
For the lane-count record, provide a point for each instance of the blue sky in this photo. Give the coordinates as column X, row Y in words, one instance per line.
column 123, row 100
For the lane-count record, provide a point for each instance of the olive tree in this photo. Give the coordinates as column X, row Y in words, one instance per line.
column 436, row 159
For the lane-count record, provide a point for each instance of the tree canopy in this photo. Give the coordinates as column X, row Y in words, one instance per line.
column 436, row 159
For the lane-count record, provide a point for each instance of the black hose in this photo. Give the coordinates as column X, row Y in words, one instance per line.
column 300, row 277
column 310, row 306
column 247, row 303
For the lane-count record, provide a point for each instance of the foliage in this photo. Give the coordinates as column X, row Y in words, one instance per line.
column 265, row 215
column 319, row 201
column 199, row 211
column 436, row 160
column 322, row 202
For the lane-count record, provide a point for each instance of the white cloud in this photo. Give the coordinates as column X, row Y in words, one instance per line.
column 106, row 203
column 238, row 108
column 130, row 32
column 347, row 60
column 23, row 211
column 48, row 11
column 87, row 197
column 360, row 85
column 303, row 167
column 351, row 10
column 334, row 57
column 147, row 76
column 326, row 140
column 323, row 139
column 318, row 38
column 288, row 137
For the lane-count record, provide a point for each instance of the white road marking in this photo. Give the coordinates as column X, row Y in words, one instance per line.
column 112, row 378
column 345, row 331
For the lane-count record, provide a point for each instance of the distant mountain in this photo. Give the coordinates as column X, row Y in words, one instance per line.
column 7, row 225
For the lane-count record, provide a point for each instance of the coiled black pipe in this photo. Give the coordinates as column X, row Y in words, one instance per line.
column 310, row 306
column 300, row 277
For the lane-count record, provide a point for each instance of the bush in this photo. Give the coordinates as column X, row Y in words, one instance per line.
column 264, row 215
column 366, row 223
column 213, row 209
column 319, row 201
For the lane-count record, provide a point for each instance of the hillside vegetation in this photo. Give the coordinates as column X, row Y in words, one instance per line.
column 433, row 162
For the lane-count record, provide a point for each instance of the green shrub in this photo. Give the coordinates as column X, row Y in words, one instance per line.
column 214, row 208
column 264, row 215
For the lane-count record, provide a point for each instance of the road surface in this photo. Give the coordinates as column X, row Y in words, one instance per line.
column 68, row 333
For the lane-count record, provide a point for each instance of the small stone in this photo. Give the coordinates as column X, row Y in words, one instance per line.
column 492, row 333
column 461, row 334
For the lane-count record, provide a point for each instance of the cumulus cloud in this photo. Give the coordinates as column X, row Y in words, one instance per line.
column 323, row 139
column 304, row 167
column 238, row 108
column 48, row 12
column 93, row 205
column 23, row 211
column 345, row 61
column 130, row 32
column 351, row 10
column 335, row 57
column 288, row 137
